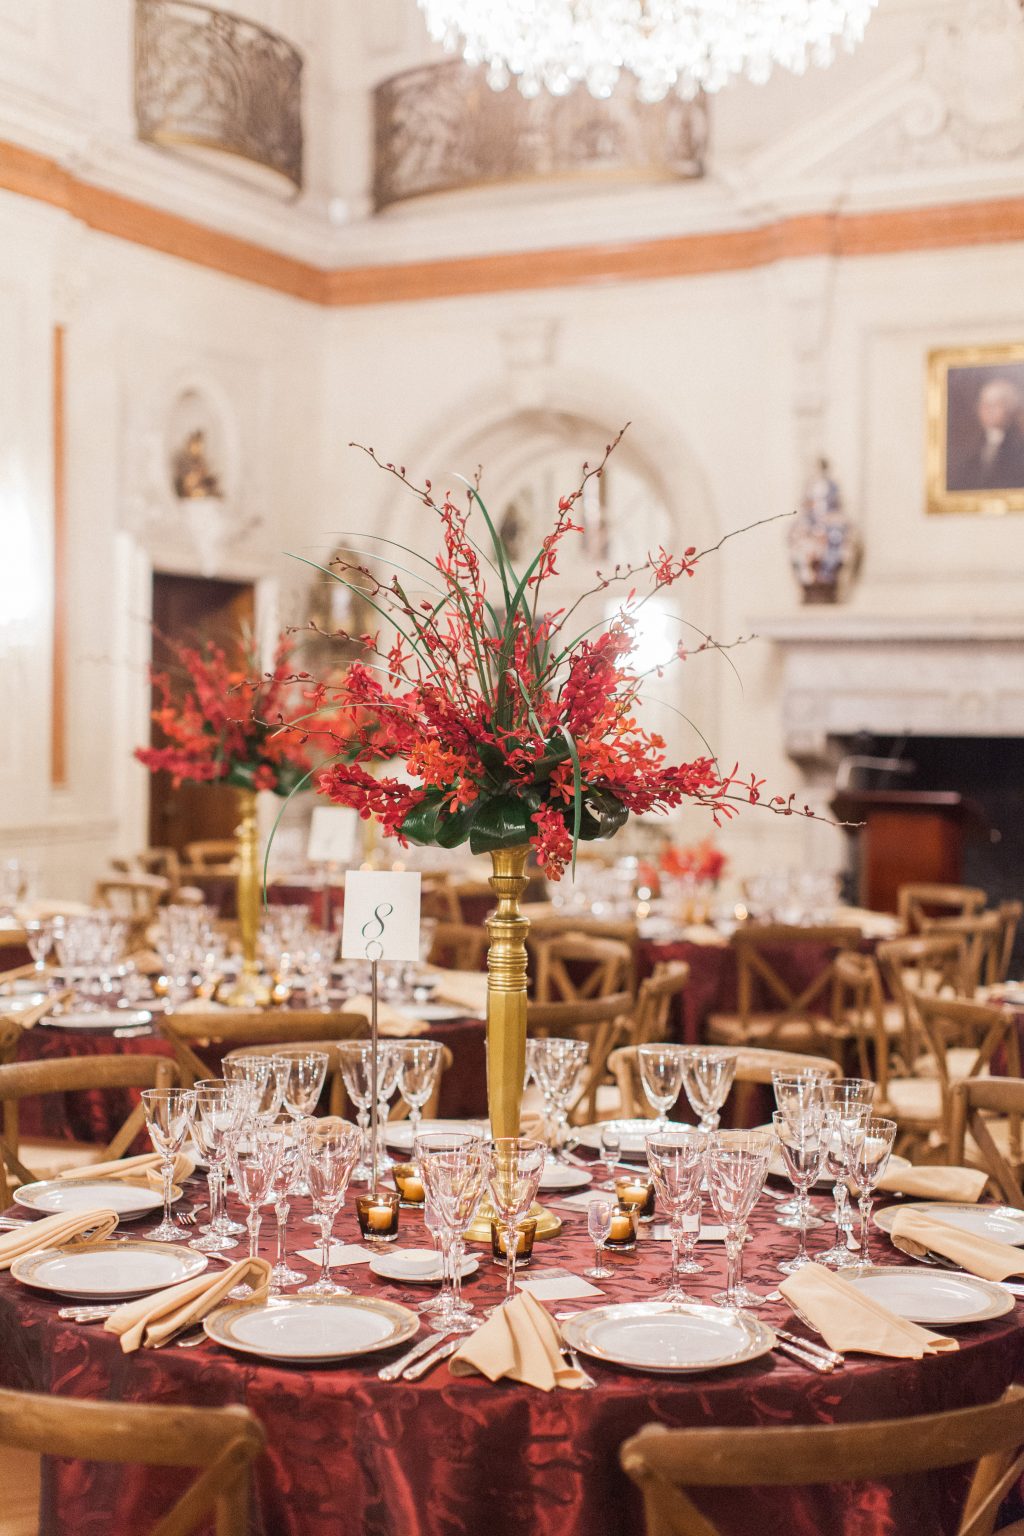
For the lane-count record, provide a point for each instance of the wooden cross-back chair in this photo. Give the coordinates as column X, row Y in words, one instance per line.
column 575, row 967
column 753, row 1065
column 917, row 904
column 134, row 899
column 459, row 946
column 212, row 855
column 665, row 1463
column 222, row 1443
column 1010, row 913
column 982, row 936
column 935, row 963
column 652, row 1011
column 30, row 1079
column 338, row 1098
column 599, row 1021
column 547, row 923
column 982, row 1108
column 438, row 898
column 190, row 1033
column 799, row 1018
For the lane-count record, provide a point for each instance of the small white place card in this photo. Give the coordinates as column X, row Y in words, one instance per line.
column 584, row 1198
column 382, row 915
column 341, row 1253
column 333, row 835
column 709, row 1233
column 558, row 1287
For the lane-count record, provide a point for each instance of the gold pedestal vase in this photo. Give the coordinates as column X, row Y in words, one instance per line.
column 506, row 1019
column 249, row 990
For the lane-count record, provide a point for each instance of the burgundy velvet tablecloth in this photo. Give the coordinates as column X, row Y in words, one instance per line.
column 350, row 1456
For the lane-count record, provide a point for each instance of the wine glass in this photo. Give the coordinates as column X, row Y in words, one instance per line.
column 430, row 1144
column 168, row 1113
column 454, row 1179
column 356, row 1058
column 599, row 1226
column 611, row 1146
column 846, row 1099
column 737, row 1162
column 329, row 1149
column 39, row 939
column 556, row 1066
column 419, row 1065
column 304, row 1074
column 802, row 1139
column 676, row 1161
column 796, row 1093
column 254, row 1161
column 661, row 1075
column 869, row 1143
column 513, row 1178
column 284, row 1186
column 219, row 1106
column 266, row 1074
column 708, row 1072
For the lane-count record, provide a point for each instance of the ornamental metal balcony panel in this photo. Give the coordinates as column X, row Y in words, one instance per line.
column 440, row 128
column 220, row 88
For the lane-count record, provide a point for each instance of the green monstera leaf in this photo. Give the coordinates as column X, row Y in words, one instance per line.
column 602, row 814
column 420, row 824
column 502, row 821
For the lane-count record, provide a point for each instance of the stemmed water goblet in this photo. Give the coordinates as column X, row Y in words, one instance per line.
column 556, row 1066
column 599, row 1226
column 676, row 1161
column 267, row 1075
column 869, row 1144
column 661, row 1077
column 736, row 1162
column 708, row 1072
column 254, row 1160
column 515, row 1164
column 796, row 1093
column 429, row 1143
column 168, row 1113
column 39, row 939
column 454, row 1178
column 801, row 1136
column 356, row 1058
column 328, row 1149
column 304, row 1074
column 219, row 1108
column 419, row 1065
column 285, row 1184
column 847, row 1100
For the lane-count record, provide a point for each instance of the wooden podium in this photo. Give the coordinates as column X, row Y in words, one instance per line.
column 907, row 835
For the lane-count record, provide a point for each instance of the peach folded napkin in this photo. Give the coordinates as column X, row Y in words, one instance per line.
column 920, row 1232
column 390, row 1021
column 462, row 989
column 520, row 1342
column 853, row 1323
column 56, row 1231
column 964, row 1185
column 29, row 1017
column 143, row 1170
column 155, row 1319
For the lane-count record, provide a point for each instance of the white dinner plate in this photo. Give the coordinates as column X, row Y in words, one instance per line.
column 128, row 1200
column 654, row 1336
column 432, row 1013
column 113, row 1271
column 633, row 1135
column 100, row 1018
column 312, row 1328
column 21, row 1002
column 416, row 1266
column 777, row 1168
column 934, row 1297
column 558, row 1176
column 1001, row 1223
column 398, row 1133
column 24, row 986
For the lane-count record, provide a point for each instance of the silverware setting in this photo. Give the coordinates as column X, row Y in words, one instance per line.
column 805, row 1357
column 572, row 1358
column 414, row 1372
column 394, row 1370
column 832, row 1355
column 939, row 1261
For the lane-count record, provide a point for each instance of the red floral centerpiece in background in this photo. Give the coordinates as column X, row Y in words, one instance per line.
column 703, row 862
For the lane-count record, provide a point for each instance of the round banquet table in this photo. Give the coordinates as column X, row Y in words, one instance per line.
column 348, row 1455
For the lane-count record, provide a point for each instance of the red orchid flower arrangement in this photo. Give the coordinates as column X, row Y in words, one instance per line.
column 511, row 728
column 225, row 722
column 700, row 861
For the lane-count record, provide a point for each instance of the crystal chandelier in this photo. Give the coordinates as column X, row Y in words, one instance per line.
column 684, row 46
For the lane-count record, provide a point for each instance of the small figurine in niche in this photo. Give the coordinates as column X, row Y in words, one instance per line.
column 193, row 478
column 824, row 549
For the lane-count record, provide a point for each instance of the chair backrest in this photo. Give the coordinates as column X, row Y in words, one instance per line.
column 652, row 1010
column 974, row 1102
column 339, row 1100
column 917, row 903
column 860, row 1003
column 573, row 967
column 459, row 946
column 665, row 1462
column 983, row 943
column 251, row 1027
column 935, row 963
column 948, row 1022
column 78, row 1074
column 209, row 853
column 1010, row 913
column 754, row 1064
column 438, row 898
column 224, row 1442
column 548, row 922
column 759, row 976
column 599, row 1021
column 132, row 896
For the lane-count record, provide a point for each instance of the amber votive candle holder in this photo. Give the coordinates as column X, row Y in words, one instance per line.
column 635, row 1190
column 409, row 1184
column 527, row 1231
column 378, row 1215
column 622, row 1236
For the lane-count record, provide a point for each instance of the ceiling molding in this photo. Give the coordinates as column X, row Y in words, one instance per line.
column 881, row 232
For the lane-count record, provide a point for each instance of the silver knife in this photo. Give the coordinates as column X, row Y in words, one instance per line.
column 394, row 1370
column 441, row 1353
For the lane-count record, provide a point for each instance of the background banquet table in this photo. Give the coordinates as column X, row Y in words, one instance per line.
column 350, row 1456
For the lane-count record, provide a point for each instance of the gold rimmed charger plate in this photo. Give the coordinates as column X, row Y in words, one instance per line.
column 937, row 1298
column 112, row 1271
column 312, row 1330
column 999, row 1223
column 669, row 1340
column 130, row 1200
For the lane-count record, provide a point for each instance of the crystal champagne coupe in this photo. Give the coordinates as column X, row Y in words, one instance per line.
column 676, row 1161
column 737, row 1162
column 168, row 1113
column 661, row 1076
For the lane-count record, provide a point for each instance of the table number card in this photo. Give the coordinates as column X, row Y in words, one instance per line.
column 333, row 835
column 382, row 916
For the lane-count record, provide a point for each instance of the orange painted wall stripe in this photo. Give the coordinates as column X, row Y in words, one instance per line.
column 941, row 227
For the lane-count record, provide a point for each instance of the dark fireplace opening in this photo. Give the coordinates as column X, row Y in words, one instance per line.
column 988, row 770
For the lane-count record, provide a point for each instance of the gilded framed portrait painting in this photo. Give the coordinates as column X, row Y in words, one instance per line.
column 976, row 429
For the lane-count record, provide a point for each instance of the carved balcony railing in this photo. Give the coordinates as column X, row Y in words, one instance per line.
column 215, row 83
column 440, row 128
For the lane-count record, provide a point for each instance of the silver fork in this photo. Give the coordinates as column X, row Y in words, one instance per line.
column 586, row 1380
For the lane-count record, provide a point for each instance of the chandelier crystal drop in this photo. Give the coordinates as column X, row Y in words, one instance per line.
column 685, row 46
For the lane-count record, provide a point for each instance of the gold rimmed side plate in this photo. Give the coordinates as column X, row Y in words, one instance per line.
column 312, row 1330
column 654, row 1336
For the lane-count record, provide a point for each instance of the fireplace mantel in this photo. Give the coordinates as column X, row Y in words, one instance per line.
column 844, row 673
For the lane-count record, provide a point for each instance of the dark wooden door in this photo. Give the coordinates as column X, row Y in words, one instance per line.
column 187, row 609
